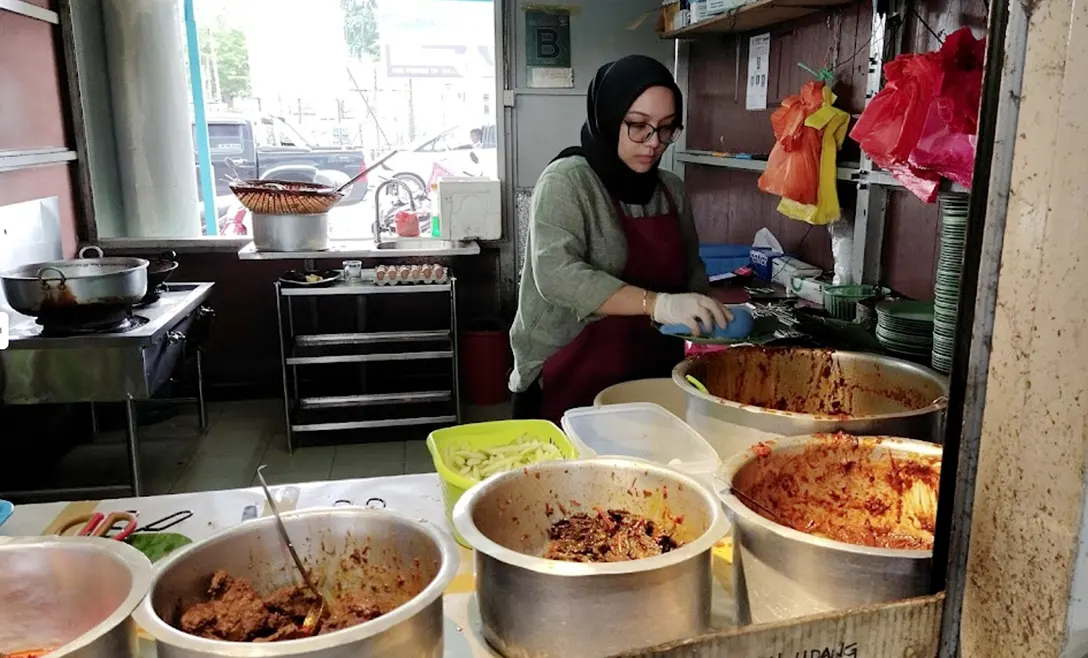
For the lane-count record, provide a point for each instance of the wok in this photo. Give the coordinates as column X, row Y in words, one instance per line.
column 83, row 286
column 158, row 271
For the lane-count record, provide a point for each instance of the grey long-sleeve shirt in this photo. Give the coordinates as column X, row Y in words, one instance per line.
column 575, row 255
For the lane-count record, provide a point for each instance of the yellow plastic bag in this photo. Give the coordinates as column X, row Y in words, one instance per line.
column 833, row 123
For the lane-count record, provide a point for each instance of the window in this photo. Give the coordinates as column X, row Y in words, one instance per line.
column 287, row 134
column 319, row 93
column 439, row 144
column 267, row 134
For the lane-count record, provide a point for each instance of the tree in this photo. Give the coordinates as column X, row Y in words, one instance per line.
column 361, row 28
column 225, row 60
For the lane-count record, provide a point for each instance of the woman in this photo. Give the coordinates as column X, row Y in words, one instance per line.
column 611, row 245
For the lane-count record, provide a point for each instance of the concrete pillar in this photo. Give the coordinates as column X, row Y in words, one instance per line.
column 151, row 98
column 1026, row 590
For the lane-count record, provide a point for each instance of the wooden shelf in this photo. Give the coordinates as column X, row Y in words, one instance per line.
column 754, row 16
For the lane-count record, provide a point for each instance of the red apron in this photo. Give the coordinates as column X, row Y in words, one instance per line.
column 617, row 349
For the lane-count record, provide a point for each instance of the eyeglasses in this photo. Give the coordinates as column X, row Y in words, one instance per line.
column 641, row 132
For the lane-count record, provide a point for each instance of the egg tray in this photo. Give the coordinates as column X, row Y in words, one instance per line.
column 396, row 275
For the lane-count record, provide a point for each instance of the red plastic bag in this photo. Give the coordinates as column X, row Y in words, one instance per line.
column 793, row 168
column 889, row 128
column 944, row 151
column 947, row 143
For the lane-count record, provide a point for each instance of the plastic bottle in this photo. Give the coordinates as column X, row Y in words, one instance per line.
column 436, row 224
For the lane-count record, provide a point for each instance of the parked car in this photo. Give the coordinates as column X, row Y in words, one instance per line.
column 451, row 152
column 270, row 148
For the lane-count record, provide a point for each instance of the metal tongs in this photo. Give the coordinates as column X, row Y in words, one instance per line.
column 309, row 625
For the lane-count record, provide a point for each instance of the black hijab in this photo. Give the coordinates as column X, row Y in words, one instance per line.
column 615, row 87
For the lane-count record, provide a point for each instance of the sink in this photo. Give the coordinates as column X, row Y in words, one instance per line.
column 421, row 244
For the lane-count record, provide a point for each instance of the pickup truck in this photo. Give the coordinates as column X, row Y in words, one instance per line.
column 270, row 148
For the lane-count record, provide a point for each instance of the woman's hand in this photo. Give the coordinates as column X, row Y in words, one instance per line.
column 692, row 310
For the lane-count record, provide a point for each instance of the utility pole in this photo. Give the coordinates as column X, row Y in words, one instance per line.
column 411, row 113
column 369, row 109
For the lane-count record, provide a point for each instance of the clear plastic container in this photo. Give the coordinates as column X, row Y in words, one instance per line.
column 642, row 430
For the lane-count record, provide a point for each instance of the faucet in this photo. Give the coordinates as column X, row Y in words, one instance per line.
column 378, row 205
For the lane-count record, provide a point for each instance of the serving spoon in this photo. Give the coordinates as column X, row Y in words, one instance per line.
column 309, row 625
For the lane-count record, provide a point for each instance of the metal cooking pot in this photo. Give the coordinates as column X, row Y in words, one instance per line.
column 782, row 573
column 535, row 607
column 402, row 553
column 825, row 390
column 64, row 285
column 73, row 595
column 291, row 232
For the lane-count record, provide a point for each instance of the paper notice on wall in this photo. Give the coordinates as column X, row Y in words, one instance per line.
column 551, row 78
column 759, row 51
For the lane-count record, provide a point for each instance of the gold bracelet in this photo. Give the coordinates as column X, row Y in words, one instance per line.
column 645, row 300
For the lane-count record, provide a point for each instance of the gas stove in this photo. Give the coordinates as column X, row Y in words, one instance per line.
column 127, row 359
column 143, row 326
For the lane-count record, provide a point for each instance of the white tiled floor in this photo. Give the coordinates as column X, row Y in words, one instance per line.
column 241, row 436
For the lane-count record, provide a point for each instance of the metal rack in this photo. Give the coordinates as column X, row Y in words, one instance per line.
column 319, row 349
column 873, row 184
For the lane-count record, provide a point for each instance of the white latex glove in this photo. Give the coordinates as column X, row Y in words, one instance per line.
column 690, row 309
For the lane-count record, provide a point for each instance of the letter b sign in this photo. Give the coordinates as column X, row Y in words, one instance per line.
column 547, row 43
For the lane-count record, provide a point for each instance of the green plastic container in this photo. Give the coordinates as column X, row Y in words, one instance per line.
column 841, row 301
column 485, row 435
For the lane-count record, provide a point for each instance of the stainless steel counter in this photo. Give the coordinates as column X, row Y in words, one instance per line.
column 340, row 249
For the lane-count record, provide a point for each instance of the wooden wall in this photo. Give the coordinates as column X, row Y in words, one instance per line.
column 33, row 114
column 728, row 205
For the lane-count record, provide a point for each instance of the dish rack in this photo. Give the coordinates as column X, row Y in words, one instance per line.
column 315, row 349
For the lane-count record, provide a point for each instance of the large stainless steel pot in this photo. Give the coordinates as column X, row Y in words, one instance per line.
column 759, row 393
column 291, row 232
column 61, row 286
column 782, row 573
column 541, row 608
column 401, row 553
column 73, row 595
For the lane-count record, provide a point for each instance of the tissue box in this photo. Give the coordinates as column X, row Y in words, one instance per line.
column 779, row 267
column 762, row 260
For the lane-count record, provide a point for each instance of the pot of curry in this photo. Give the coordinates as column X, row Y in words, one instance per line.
column 238, row 594
column 830, row 521
column 591, row 557
column 758, row 393
column 70, row 597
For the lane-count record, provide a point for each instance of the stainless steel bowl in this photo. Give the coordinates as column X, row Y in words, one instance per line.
column 73, row 595
column 402, row 553
column 782, row 573
column 541, row 608
column 839, row 391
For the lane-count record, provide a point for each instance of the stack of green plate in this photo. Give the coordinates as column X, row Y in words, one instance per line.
column 953, row 209
column 905, row 328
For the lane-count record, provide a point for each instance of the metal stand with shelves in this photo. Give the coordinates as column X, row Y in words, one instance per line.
column 873, row 184
column 318, row 349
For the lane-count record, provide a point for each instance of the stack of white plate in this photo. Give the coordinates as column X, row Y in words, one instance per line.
column 905, row 328
column 953, row 209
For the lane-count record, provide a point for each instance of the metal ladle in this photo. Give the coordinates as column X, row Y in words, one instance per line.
column 309, row 625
